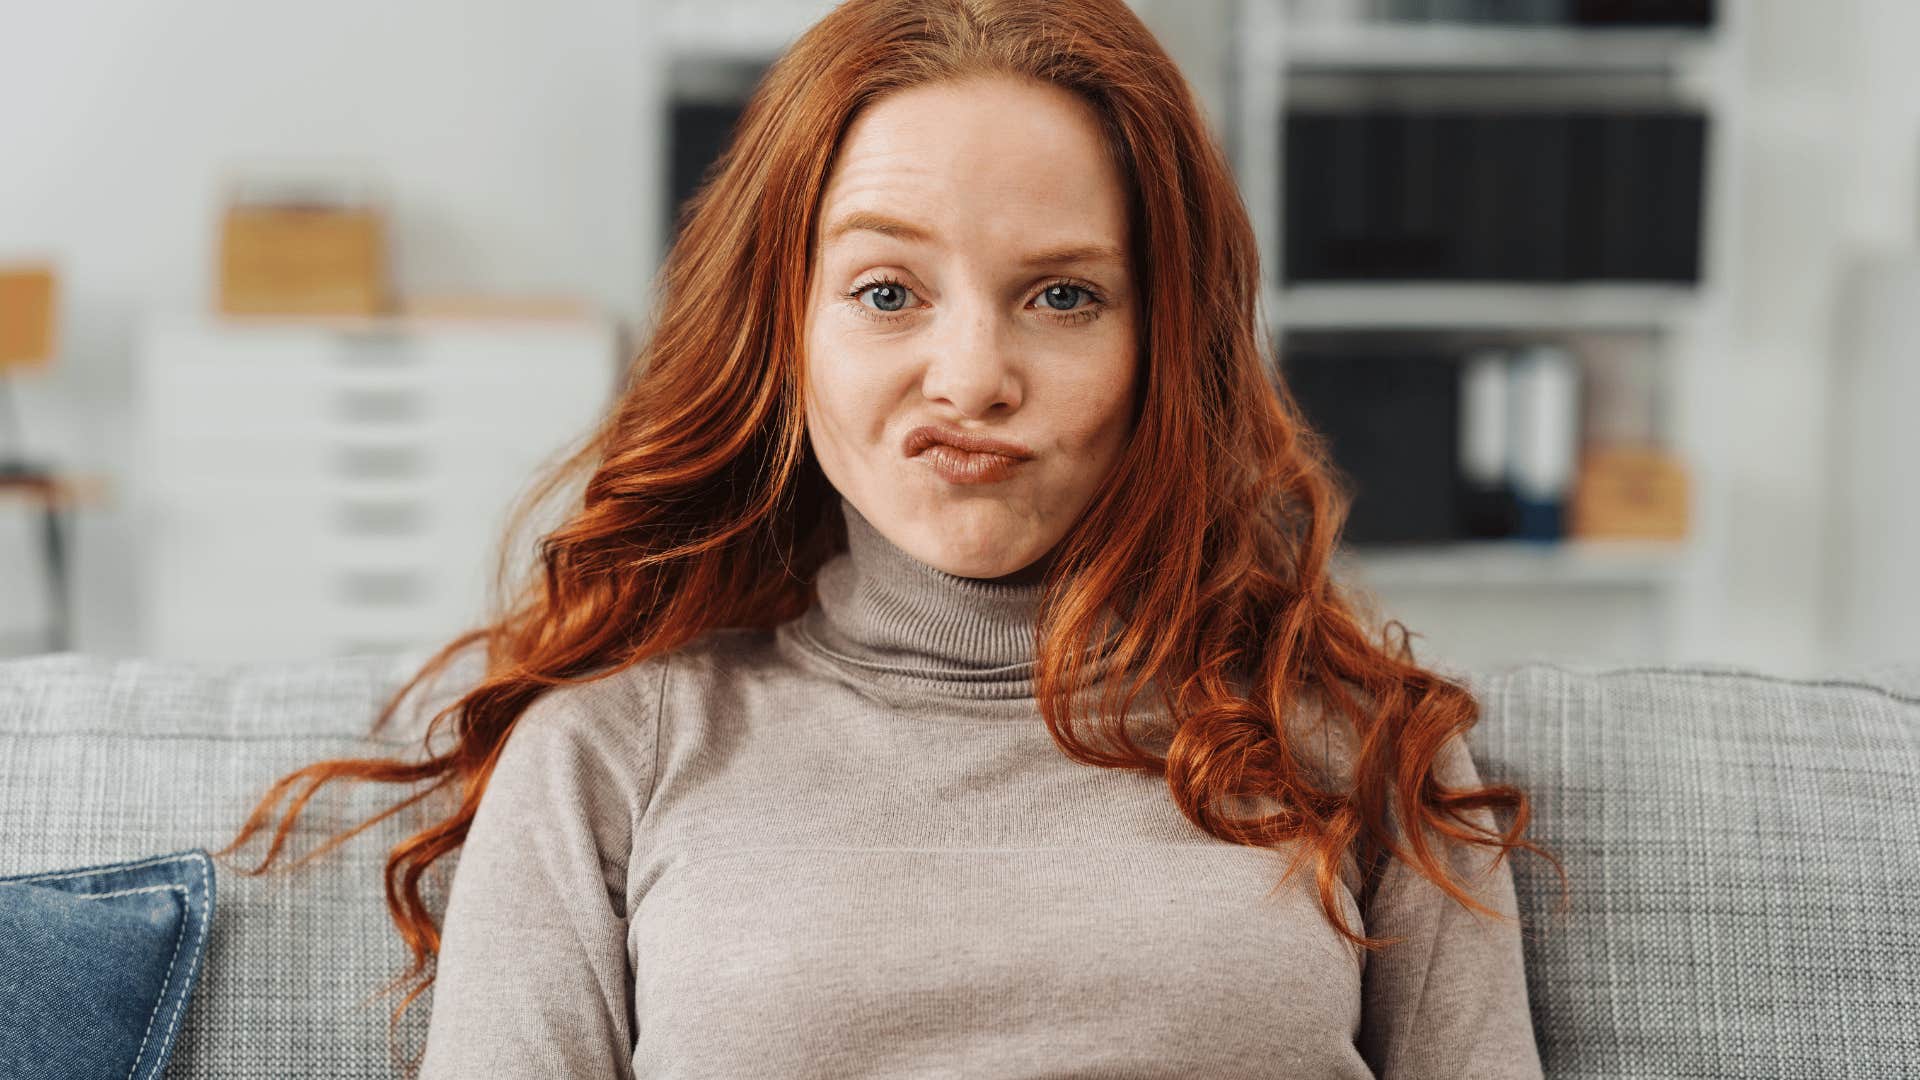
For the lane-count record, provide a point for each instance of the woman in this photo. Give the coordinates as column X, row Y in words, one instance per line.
column 954, row 467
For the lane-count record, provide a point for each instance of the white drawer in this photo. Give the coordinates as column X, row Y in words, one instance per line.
column 278, row 384
column 277, row 406
column 269, row 577
column 317, row 468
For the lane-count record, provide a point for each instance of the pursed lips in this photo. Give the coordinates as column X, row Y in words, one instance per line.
column 960, row 457
column 921, row 438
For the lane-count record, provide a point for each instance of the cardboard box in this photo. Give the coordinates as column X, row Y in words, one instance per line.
column 303, row 260
column 27, row 315
column 1629, row 492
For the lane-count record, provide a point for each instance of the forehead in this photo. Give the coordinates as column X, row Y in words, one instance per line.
column 982, row 160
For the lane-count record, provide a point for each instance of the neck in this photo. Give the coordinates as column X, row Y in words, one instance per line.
column 886, row 614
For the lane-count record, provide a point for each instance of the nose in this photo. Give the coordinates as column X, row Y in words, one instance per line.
column 970, row 362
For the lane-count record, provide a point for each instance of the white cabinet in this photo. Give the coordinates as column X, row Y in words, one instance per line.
column 322, row 488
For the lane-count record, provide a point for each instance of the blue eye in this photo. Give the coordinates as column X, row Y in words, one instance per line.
column 895, row 294
column 893, row 297
column 1065, row 292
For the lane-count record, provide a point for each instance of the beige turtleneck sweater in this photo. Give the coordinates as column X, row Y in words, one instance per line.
column 848, row 847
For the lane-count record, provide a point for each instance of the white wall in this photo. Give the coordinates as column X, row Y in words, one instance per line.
column 1832, row 124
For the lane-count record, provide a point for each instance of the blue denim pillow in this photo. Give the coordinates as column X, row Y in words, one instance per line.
column 97, row 965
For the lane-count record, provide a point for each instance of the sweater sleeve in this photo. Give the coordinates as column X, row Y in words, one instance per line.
column 1451, row 1000
column 533, row 977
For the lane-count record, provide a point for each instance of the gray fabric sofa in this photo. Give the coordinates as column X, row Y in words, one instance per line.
column 1744, row 853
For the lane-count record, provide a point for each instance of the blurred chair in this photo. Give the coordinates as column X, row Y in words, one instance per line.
column 27, row 341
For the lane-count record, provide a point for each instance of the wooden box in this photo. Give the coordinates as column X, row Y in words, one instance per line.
column 1629, row 492
column 295, row 260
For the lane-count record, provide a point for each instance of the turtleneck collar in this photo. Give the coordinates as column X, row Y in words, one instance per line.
column 883, row 613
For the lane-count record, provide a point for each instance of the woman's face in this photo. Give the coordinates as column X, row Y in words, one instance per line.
column 970, row 275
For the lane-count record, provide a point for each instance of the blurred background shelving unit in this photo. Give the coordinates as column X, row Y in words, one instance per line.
column 1499, row 600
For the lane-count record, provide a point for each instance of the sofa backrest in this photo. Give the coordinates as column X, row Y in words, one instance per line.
column 108, row 759
column 1742, row 850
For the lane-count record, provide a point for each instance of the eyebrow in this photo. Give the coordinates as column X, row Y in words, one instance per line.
column 894, row 228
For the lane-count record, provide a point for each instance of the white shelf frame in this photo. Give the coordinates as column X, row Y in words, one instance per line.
column 739, row 29
column 1365, row 44
column 1518, row 563
column 1478, row 306
column 1270, row 45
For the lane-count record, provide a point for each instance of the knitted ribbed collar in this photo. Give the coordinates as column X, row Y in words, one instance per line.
column 883, row 613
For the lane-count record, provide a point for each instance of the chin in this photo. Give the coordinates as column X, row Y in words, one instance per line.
column 971, row 553
column 982, row 570
column 970, row 563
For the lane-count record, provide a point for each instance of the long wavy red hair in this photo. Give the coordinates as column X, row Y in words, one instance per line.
column 704, row 508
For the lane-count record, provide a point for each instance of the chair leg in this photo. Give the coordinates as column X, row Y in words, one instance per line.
column 59, row 617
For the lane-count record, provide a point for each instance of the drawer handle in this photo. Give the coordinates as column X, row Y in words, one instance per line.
column 382, row 517
column 378, row 350
column 397, row 461
column 370, row 646
column 382, row 588
column 378, row 405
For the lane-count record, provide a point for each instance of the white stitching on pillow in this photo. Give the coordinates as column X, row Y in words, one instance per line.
column 160, row 860
column 199, row 936
column 200, row 932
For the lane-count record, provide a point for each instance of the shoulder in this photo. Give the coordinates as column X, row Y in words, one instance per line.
column 608, row 699
column 619, row 714
column 598, row 731
column 725, row 651
column 1328, row 742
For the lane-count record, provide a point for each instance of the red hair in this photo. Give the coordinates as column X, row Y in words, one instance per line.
column 704, row 508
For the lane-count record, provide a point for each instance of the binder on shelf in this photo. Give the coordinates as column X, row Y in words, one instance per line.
column 1641, row 176
column 1678, row 142
column 1680, row 13
column 1544, row 437
column 1518, row 221
column 700, row 132
column 1387, row 232
column 1391, row 423
column 1492, row 195
column 1538, row 12
column 1334, row 225
column 1486, row 509
column 1311, row 197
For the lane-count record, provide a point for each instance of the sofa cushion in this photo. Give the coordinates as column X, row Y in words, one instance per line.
column 1742, row 850
column 97, row 964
